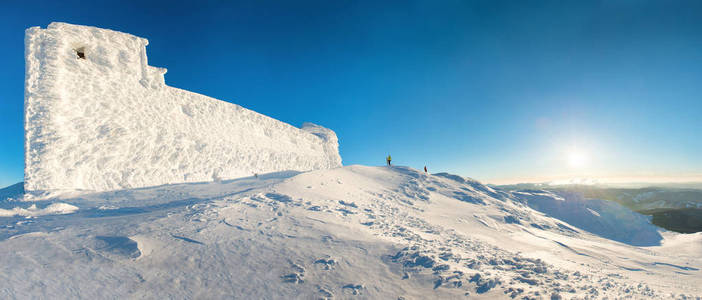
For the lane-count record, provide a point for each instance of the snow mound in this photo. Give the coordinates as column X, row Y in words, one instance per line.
column 34, row 211
column 98, row 118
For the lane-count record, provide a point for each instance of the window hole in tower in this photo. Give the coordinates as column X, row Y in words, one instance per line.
column 80, row 52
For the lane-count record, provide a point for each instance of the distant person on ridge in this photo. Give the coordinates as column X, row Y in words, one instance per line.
column 389, row 158
column 425, row 170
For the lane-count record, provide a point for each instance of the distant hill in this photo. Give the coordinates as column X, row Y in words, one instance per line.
column 13, row 191
column 684, row 220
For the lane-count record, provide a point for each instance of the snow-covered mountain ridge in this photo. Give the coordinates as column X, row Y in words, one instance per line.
column 352, row 232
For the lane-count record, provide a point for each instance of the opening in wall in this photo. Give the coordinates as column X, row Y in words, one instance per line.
column 80, row 52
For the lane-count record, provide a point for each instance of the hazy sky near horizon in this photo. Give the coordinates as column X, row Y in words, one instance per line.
column 501, row 91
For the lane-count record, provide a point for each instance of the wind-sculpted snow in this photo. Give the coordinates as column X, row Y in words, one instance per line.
column 34, row 211
column 350, row 233
column 107, row 121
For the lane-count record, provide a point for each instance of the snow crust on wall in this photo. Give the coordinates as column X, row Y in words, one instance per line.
column 108, row 121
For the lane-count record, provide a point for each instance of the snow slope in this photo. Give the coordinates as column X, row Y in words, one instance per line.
column 605, row 218
column 108, row 121
column 355, row 232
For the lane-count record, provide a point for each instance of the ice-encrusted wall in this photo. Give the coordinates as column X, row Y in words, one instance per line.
column 108, row 121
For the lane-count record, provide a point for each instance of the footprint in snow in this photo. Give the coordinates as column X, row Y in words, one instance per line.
column 345, row 212
column 349, row 204
column 279, row 197
column 326, row 294
column 315, row 208
column 296, row 276
column 293, row 278
column 326, row 263
column 118, row 245
column 353, row 288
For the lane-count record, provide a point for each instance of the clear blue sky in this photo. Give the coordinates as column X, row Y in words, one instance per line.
column 496, row 90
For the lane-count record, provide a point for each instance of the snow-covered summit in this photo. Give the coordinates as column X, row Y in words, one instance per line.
column 352, row 232
column 98, row 117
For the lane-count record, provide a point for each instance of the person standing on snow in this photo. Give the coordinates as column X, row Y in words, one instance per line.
column 425, row 170
column 389, row 158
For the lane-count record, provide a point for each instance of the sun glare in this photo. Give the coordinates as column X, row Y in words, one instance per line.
column 576, row 159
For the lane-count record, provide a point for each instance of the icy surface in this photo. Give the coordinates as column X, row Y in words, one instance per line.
column 348, row 233
column 108, row 121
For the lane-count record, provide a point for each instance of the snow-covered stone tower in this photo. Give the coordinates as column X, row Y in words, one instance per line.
column 98, row 117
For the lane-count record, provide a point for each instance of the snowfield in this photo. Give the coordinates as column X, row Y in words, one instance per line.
column 355, row 232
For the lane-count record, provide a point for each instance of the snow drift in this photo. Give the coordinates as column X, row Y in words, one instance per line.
column 98, row 117
column 34, row 211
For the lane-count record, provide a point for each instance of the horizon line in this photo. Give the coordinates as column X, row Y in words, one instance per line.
column 626, row 179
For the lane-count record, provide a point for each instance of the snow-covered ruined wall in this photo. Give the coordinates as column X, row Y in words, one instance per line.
column 108, row 121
